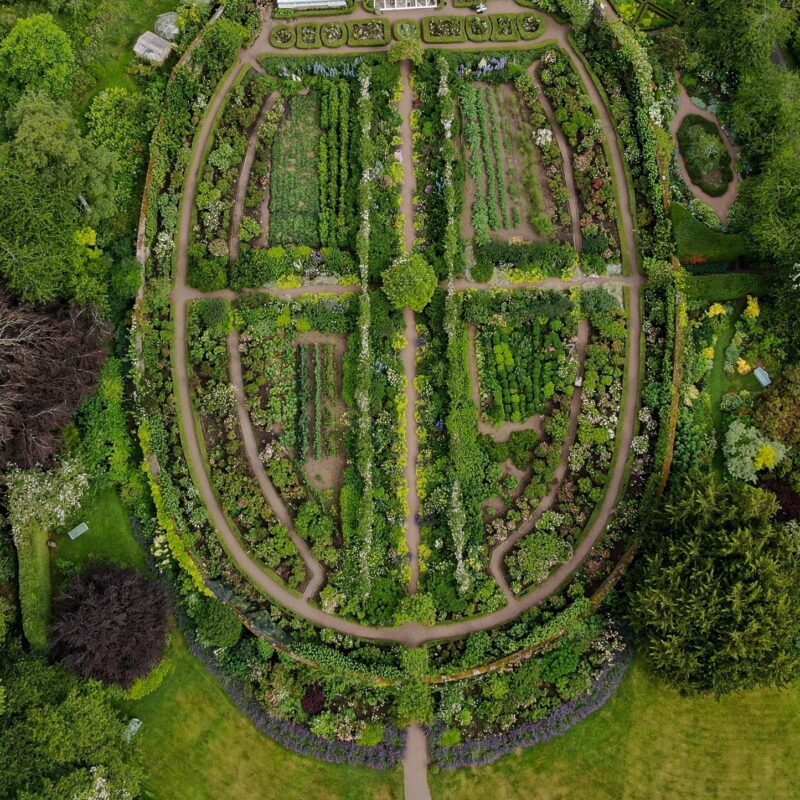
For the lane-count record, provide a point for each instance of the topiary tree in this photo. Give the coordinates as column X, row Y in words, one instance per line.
column 410, row 282
column 218, row 625
column 110, row 624
column 717, row 593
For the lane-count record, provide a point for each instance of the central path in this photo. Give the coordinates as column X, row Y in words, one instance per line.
column 409, row 318
column 415, row 764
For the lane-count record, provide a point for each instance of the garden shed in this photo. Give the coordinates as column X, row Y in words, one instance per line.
column 152, row 47
column 762, row 376
column 301, row 5
column 167, row 26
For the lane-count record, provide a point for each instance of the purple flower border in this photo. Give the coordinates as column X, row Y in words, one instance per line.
column 480, row 752
column 388, row 754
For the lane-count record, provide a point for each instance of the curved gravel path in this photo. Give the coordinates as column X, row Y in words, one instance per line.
column 316, row 572
column 244, row 177
column 410, row 633
column 722, row 204
column 498, row 554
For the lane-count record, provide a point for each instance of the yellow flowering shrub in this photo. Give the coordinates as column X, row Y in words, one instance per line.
column 708, row 352
column 753, row 309
column 767, row 457
column 716, row 310
column 742, row 367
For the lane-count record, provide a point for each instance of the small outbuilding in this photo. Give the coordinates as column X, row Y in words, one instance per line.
column 762, row 376
column 167, row 26
column 152, row 47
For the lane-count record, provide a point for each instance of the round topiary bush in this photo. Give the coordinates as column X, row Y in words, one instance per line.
column 218, row 625
column 410, row 282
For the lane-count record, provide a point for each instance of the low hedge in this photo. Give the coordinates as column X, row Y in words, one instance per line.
column 504, row 28
column 33, row 558
column 533, row 23
column 287, row 13
column 367, row 33
column 443, row 30
column 478, row 28
column 336, row 29
column 308, row 36
column 404, row 29
column 282, row 37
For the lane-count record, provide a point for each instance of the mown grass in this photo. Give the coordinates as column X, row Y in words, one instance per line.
column 649, row 743
column 727, row 286
column 33, row 560
column 697, row 242
column 195, row 743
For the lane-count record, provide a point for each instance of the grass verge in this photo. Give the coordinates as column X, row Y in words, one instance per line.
column 697, row 243
column 649, row 743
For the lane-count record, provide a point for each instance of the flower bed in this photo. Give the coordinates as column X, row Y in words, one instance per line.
column 308, row 36
column 443, row 30
column 529, row 26
column 332, row 34
column 367, row 33
column 404, row 29
column 282, row 37
column 479, row 28
column 504, row 28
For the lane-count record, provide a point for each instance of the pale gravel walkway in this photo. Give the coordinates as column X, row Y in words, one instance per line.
column 722, row 204
column 410, row 633
column 244, row 177
column 315, row 570
column 409, row 356
column 415, row 764
column 566, row 159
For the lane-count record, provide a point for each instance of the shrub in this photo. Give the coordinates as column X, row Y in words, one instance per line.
column 705, row 155
column 479, row 28
column 410, row 282
column 110, row 624
column 529, row 26
column 218, row 625
column 208, row 274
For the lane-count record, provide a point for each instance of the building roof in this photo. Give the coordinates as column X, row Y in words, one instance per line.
column 762, row 376
column 167, row 25
column 302, row 4
column 152, row 48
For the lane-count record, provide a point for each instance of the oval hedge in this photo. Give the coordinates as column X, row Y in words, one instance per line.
column 332, row 34
column 282, row 37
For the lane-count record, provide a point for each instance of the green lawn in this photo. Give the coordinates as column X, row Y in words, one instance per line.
column 109, row 535
column 34, row 584
column 649, row 743
column 197, row 745
column 697, row 241
column 727, row 286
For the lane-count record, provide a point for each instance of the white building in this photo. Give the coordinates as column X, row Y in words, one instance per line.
column 302, row 5
column 153, row 48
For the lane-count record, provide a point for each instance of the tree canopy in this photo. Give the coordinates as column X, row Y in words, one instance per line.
column 110, row 624
column 35, row 56
column 60, row 738
column 56, row 187
column 717, row 599
column 410, row 282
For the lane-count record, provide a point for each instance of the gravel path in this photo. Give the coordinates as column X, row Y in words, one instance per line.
column 415, row 764
column 498, row 554
column 722, row 204
column 409, row 357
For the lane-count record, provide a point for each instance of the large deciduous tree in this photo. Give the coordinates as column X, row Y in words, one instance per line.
column 717, row 596
column 55, row 187
column 35, row 56
column 50, row 361
column 110, row 624
column 60, row 738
